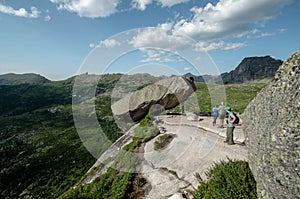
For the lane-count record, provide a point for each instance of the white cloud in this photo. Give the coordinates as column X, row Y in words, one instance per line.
column 140, row 4
column 159, row 37
column 47, row 18
column 159, row 56
column 259, row 34
column 163, row 37
column 105, row 8
column 187, row 69
column 92, row 45
column 219, row 45
column 227, row 18
column 110, row 43
column 282, row 30
column 89, row 8
column 210, row 25
column 170, row 3
column 265, row 34
column 22, row 12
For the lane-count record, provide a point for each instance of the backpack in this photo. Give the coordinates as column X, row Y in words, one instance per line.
column 237, row 120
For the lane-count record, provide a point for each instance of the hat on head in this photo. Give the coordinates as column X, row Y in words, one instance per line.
column 228, row 108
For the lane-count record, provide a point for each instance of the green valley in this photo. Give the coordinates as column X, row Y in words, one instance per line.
column 42, row 155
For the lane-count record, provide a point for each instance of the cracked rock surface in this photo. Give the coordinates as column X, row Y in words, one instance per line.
column 172, row 169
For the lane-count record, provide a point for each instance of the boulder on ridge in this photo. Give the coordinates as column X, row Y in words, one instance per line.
column 162, row 95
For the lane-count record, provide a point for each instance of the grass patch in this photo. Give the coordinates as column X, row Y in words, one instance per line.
column 238, row 96
column 163, row 141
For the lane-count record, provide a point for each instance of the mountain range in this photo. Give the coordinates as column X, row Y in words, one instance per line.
column 41, row 153
column 250, row 69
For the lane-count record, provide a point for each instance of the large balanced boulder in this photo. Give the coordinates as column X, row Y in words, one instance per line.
column 162, row 95
column 272, row 129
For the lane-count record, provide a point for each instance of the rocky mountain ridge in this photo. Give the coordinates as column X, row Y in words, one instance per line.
column 250, row 69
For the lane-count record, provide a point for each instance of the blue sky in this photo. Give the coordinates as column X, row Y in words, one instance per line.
column 60, row 38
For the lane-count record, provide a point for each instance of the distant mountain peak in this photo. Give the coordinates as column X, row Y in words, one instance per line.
column 250, row 69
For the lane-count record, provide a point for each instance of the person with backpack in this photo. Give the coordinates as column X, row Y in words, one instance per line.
column 231, row 123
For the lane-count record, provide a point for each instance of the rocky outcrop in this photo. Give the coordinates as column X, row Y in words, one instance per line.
column 162, row 95
column 272, row 128
column 169, row 172
column 252, row 68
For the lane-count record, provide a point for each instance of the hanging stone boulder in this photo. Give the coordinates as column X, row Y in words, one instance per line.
column 162, row 95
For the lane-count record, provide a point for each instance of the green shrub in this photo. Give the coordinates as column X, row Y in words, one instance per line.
column 232, row 179
column 146, row 121
column 146, row 133
column 132, row 145
column 113, row 184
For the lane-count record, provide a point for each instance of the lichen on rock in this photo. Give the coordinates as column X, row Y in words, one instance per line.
column 272, row 130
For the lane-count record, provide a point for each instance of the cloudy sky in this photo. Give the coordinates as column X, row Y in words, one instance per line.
column 60, row 38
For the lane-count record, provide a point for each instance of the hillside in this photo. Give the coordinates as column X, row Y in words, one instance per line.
column 16, row 79
column 24, row 97
column 42, row 155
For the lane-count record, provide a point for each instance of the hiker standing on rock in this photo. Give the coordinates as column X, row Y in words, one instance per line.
column 230, row 126
column 215, row 113
column 222, row 114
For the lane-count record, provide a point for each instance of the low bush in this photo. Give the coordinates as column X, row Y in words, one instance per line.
column 113, row 184
column 228, row 179
column 146, row 133
column 146, row 121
